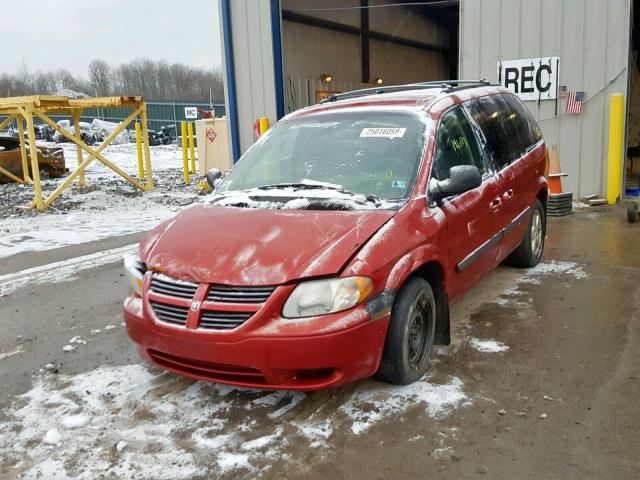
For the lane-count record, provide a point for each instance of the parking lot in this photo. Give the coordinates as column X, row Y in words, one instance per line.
column 542, row 378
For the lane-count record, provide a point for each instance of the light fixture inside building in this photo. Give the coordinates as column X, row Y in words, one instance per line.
column 377, row 81
column 326, row 77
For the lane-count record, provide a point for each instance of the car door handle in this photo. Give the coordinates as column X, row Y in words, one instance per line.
column 508, row 194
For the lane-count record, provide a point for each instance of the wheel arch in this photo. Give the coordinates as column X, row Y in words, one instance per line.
column 433, row 272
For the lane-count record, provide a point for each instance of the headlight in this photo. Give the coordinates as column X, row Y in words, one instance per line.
column 319, row 297
column 135, row 269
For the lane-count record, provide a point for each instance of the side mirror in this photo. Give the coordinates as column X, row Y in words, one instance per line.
column 213, row 177
column 462, row 178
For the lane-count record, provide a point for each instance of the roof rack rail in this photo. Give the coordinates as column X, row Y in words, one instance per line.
column 445, row 85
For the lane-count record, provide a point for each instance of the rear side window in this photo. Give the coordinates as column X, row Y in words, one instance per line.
column 456, row 145
column 502, row 133
column 530, row 131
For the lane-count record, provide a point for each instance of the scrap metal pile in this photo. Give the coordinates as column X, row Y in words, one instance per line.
column 50, row 160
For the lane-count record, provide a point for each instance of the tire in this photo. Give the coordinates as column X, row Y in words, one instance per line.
column 529, row 252
column 632, row 212
column 407, row 350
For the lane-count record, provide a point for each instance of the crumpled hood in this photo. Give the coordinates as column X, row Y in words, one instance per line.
column 242, row 246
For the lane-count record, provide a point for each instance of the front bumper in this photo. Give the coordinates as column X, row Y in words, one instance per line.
column 258, row 359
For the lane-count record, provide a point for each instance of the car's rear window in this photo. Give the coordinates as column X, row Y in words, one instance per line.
column 369, row 152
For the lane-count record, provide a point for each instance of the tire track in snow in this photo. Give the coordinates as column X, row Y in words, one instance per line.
column 61, row 271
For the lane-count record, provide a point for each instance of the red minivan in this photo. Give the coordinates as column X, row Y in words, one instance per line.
column 334, row 247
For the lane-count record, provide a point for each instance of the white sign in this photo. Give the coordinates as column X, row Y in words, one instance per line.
column 531, row 78
column 190, row 112
column 389, row 132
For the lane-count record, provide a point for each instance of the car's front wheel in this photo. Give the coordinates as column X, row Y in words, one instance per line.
column 529, row 252
column 407, row 350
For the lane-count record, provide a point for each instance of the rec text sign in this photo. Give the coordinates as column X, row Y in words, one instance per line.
column 531, row 78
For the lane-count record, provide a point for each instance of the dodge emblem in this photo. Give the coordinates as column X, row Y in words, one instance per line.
column 195, row 305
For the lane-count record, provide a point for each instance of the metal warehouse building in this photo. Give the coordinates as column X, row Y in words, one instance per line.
column 281, row 55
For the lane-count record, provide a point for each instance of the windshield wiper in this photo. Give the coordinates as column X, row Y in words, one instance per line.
column 369, row 197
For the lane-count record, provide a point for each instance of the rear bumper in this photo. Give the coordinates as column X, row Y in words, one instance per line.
column 309, row 362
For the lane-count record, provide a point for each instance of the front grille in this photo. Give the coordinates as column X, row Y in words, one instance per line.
column 208, row 318
column 219, row 320
column 172, row 287
column 173, row 314
column 232, row 294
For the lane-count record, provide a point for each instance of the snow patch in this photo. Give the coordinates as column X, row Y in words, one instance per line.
column 11, row 353
column 75, row 421
column 368, row 407
column 508, row 297
column 488, row 346
column 177, row 428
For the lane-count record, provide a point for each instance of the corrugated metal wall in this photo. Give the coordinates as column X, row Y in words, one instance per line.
column 253, row 61
column 591, row 37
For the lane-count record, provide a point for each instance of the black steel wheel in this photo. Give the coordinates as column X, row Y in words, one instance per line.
column 407, row 351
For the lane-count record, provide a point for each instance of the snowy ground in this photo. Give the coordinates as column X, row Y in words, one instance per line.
column 136, row 421
column 108, row 207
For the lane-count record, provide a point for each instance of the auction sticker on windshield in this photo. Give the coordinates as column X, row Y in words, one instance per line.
column 384, row 132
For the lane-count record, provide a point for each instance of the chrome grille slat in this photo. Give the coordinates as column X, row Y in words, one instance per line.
column 170, row 308
column 224, row 315
column 172, row 287
column 232, row 288
column 170, row 313
column 233, row 294
column 220, row 320
column 219, row 326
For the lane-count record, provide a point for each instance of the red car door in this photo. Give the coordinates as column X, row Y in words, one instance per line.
column 503, row 136
column 517, row 180
column 471, row 216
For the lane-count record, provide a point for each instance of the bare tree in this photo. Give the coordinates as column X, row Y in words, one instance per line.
column 101, row 78
column 154, row 80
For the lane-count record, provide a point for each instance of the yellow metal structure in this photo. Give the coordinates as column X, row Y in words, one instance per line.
column 191, row 147
column 185, row 152
column 614, row 171
column 139, row 150
column 41, row 106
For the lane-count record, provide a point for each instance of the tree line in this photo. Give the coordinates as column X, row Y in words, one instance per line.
column 154, row 80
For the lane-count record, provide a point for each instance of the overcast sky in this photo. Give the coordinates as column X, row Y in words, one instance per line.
column 52, row 34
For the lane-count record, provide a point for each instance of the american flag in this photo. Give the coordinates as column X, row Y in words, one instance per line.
column 574, row 103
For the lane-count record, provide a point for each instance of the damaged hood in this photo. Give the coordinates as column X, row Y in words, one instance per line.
column 244, row 246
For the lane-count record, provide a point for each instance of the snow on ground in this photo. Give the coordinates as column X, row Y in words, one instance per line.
column 120, row 421
column 488, row 346
column 108, row 207
column 513, row 294
column 125, row 156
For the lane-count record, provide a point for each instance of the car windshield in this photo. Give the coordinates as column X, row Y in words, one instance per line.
column 373, row 154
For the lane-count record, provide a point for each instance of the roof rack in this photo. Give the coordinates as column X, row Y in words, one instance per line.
column 445, row 85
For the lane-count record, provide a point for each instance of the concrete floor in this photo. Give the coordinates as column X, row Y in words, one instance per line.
column 562, row 403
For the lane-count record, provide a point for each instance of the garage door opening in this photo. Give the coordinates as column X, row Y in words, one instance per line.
column 341, row 45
